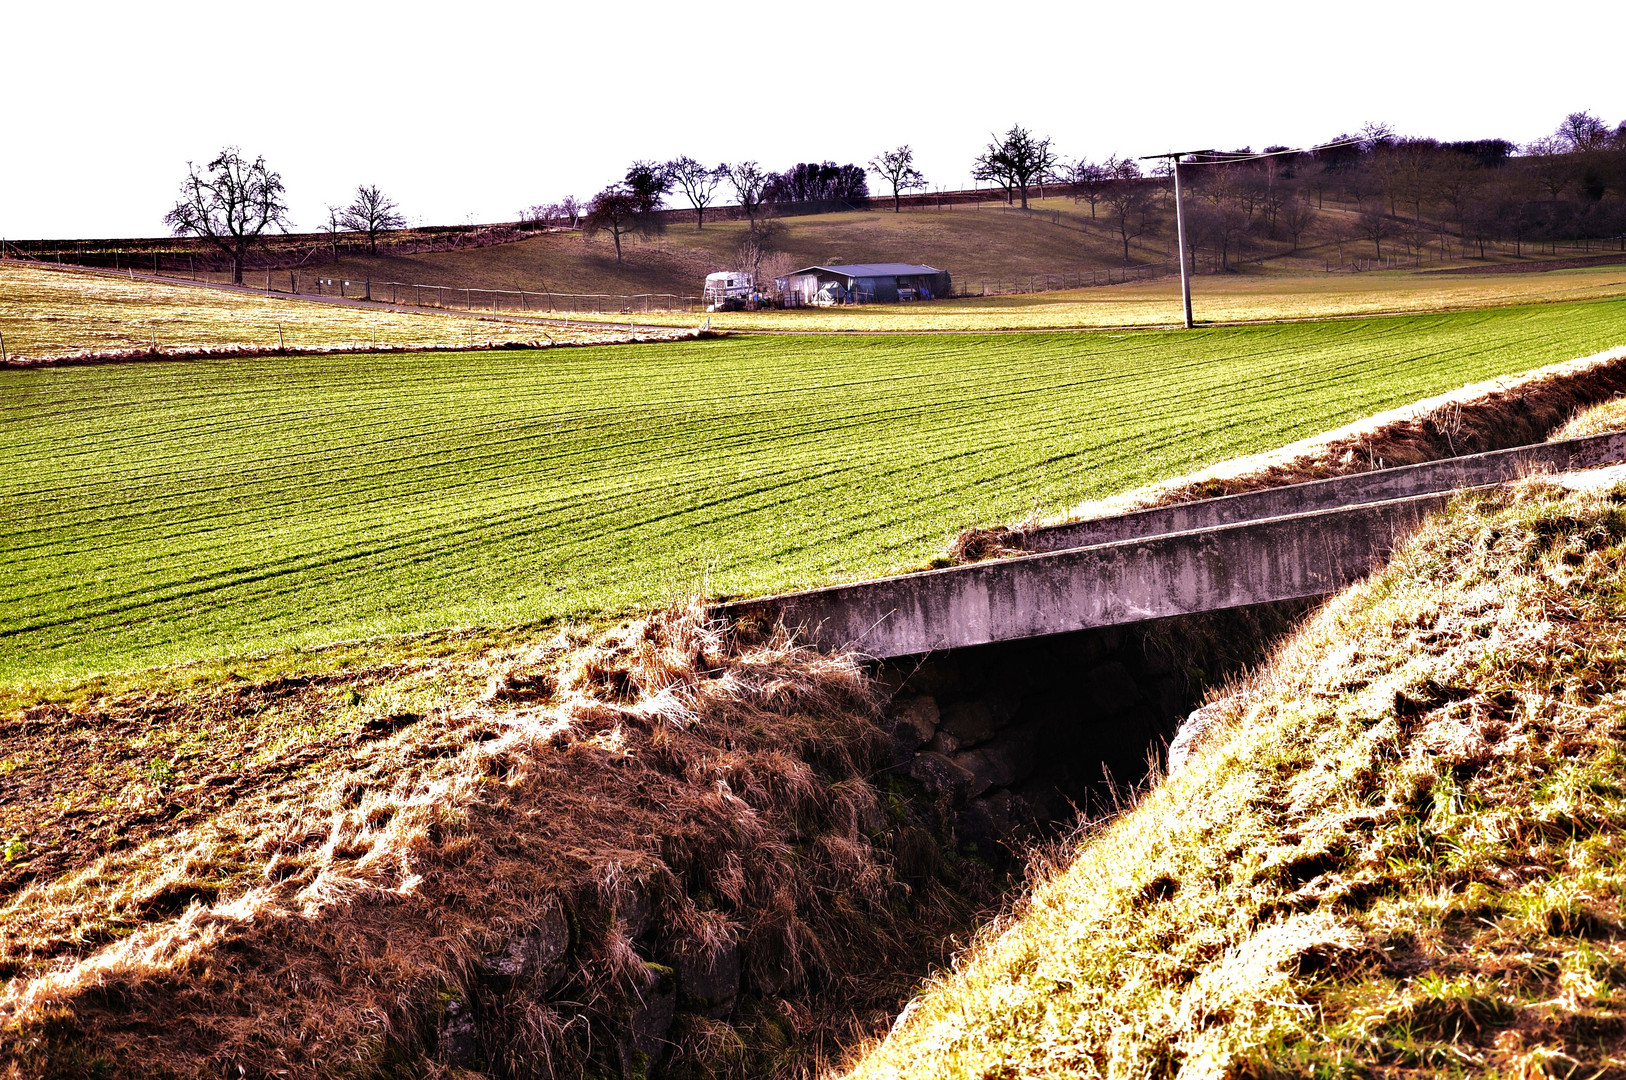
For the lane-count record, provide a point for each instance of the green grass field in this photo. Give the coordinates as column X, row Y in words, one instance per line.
column 161, row 511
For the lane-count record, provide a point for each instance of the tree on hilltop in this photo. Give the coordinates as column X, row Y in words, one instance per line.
column 230, row 204
column 1017, row 160
column 1090, row 180
column 897, row 167
column 1582, row 132
column 616, row 210
column 819, row 182
column 371, row 212
column 697, row 182
column 647, row 182
column 750, row 182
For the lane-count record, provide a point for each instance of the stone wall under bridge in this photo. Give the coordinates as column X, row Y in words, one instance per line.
column 1005, row 739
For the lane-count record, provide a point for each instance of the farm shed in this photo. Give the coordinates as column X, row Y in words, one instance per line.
column 862, row 283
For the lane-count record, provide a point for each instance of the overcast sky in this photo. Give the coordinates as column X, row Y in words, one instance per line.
column 480, row 108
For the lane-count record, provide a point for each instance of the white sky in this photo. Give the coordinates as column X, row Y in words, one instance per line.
column 481, row 107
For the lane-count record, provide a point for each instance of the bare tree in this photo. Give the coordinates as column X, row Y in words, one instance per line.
column 750, row 180
column 1582, row 132
column 372, row 212
column 1131, row 199
column 1297, row 215
column 1375, row 225
column 230, row 204
column 616, row 210
column 1018, row 160
column 897, row 167
column 994, row 169
column 333, row 226
column 1090, row 180
column 698, row 184
column 1549, row 165
column 571, row 208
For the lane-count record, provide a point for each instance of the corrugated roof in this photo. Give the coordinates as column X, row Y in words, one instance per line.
column 873, row 269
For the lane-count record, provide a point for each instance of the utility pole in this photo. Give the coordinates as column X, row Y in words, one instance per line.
column 1180, row 237
column 1179, row 228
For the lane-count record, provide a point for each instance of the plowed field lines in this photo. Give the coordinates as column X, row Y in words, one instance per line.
column 151, row 512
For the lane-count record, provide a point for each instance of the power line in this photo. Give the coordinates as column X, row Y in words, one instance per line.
column 1227, row 157
column 1216, row 157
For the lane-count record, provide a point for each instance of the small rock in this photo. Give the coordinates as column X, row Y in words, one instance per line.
column 634, row 910
column 710, row 985
column 1193, row 729
column 458, row 1041
column 914, row 720
column 940, row 776
column 971, row 722
column 536, row 957
column 1002, row 763
column 644, row 1044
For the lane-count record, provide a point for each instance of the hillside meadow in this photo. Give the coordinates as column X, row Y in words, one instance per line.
column 152, row 512
column 987, row 244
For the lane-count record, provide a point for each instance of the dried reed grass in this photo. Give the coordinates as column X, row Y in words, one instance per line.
column 675, row 793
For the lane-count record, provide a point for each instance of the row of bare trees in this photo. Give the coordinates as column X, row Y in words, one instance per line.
column 1409, row 192
column 232, row 201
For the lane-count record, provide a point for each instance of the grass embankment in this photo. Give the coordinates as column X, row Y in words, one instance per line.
column 1400, row 855
column 508, row 854
column 153, row 513
column 1250, row 297
column 47, row 312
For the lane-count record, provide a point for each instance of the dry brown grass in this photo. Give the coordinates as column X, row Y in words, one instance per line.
column 59, row 312
column 325, row 867
column 1515, row 410
column 1400, row 857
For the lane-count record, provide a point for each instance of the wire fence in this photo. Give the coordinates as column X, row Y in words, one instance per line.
column 1074, row 279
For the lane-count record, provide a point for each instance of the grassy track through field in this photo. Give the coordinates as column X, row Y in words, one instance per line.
column 153, row 512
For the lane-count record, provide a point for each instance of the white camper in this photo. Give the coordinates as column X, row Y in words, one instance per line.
column 727, row 285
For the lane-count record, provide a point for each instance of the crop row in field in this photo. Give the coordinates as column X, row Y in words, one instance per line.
column 151, row 512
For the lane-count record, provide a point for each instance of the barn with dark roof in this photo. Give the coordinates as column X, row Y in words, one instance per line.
column 862, row 283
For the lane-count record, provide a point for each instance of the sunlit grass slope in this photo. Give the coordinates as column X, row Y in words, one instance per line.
column 1402, row 856
column 151, row 512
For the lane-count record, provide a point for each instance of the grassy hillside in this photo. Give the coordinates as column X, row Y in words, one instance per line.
column 1400, row 856
column 54, row 312
column 163, row 512
column 985, row 244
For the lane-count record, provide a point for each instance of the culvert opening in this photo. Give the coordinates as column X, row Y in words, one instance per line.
column 1018, row 739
